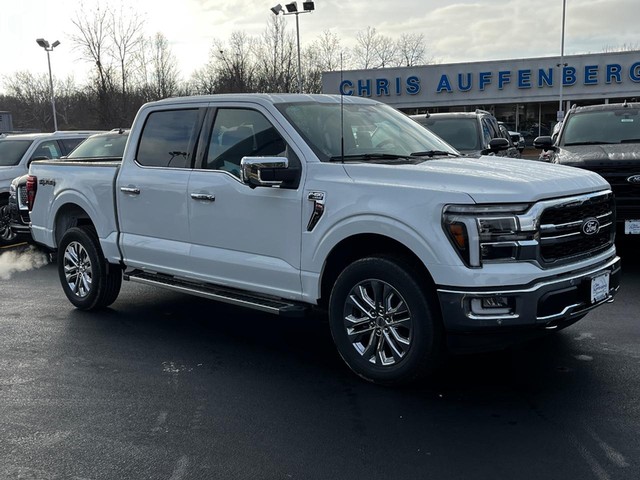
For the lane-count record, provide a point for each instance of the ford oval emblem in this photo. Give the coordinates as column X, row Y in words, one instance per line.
column 590, row 226
column 634, row 179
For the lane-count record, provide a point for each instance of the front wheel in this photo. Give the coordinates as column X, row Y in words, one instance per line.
column 383, row 321
column 7, row 234
column 88, row 280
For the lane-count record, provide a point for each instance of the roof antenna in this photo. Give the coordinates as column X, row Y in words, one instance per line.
column 341, row 113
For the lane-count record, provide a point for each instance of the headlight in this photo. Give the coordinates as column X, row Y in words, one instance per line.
column 485, row 233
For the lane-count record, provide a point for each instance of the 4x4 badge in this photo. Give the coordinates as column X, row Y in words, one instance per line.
column 590, row 226
column 635, row 179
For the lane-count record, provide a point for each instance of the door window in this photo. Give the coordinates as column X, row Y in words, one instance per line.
column 238, row 133
column 48, row 149
column 168, row 139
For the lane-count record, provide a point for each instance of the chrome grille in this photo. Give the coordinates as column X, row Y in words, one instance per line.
column 563, row 228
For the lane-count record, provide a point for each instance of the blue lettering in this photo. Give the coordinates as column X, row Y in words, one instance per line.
column 398, row 86
column 382, row 87
column 444, row 84
column 634, row 72
column 364, row 88
column 484, row 78
column 614, row 73
column 591, row 74
column 545, row 78
column 504, row 77
column 413, row 85
column 524, row 78
column 467, row 87
column 569, row 76
column 346, row 87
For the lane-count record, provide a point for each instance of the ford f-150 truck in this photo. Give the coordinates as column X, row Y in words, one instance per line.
column 289, row 202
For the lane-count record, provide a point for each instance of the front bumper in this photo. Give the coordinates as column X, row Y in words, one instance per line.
column 19, row 219
column 543, row 305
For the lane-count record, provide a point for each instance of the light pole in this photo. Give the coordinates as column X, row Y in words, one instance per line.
column 292, row 9
column 49, row 48
column 560, row 115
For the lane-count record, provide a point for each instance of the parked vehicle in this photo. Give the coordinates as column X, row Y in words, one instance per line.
column 513, row 151
column 516, row 137
column 98, row 146
column 16, row 153
column 284, row 203
column 471, row 133
column 604, row 139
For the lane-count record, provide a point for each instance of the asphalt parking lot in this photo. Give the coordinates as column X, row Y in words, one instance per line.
column 164, row 385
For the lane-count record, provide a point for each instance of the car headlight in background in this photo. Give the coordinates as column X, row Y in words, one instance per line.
column 485, row 233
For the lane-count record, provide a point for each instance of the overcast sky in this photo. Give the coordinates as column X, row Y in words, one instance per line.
column 455, row 31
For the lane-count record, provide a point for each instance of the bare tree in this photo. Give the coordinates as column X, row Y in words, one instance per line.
column 204, row 81
column 325, row 54
column 32, row 93
column 236, row 70
column 366, row 48
column 386, row 52
column 411, row 49
column 125, row 29
column 165, row 73
column 275, row 57
column 93, row 41
column 625, row 47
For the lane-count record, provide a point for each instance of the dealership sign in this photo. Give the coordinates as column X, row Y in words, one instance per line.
column 582, row 77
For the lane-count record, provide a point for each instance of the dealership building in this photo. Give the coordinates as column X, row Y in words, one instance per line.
column 523, row 92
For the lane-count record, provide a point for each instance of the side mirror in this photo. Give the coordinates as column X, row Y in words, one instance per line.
column 265, row 171
column 498, row 144
column 544, row 143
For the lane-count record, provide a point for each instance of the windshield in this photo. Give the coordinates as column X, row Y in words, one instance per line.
column 369, row 131
column 599, row 127
column 100, row 146
column 11, row 151
column 462, row 133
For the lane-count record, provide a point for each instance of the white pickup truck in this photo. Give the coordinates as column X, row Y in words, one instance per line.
column 285, row 203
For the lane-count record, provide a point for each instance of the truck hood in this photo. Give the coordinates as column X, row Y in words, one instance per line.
column 487, row 179
column 599, row 155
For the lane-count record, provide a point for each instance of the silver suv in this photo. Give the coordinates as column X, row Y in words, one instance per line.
column 17, row 151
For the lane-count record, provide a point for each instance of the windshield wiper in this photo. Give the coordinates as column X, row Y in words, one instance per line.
column 630, row 140
column 371, row 156
column 434, row 153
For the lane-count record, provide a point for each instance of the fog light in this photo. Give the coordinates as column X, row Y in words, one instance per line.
column 492, row 306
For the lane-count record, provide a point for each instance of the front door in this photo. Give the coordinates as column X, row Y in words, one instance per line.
column 244, row 237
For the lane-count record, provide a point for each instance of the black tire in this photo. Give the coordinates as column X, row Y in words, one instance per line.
column 88, row 280
column 384, row 322
column 7, row 234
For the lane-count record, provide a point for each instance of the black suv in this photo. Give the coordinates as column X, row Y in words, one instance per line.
column 471, row 133
column 604, row 139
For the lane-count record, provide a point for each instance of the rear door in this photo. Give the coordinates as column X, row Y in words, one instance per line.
column 151, row 191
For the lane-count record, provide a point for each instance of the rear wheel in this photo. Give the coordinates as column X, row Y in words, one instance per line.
column 88, row 280
column 7, row 234
column 383, row 322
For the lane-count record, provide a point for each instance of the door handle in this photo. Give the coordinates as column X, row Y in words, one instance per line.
column 130, row 190
column 203, row 196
